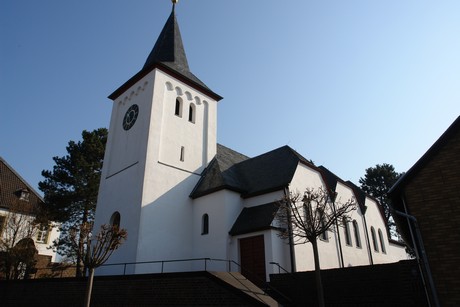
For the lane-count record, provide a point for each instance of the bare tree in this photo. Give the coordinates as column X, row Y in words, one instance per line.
column 109, row 238
column 17, row 228
column 308, row 216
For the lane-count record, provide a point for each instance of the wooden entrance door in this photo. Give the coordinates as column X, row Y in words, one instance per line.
column 252, row 259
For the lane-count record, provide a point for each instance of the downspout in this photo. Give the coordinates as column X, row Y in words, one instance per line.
column 290, row 236
column 369, row 249
column 417, row 239
column 338, row 232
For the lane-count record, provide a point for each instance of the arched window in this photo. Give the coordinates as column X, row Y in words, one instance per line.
column 178, row 109
column 356, row 231
column 374, row 240
column 382, row 243
column 346, row 225
column 115, row 219
column 205, row 224
column 191, row 113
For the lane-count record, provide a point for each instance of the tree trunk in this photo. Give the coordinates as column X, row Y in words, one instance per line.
column 89, row 288
column 81, row 272
column 319, row 283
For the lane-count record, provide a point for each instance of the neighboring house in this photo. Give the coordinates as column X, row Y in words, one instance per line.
column 429, row 192
column 19, row 203
column 180, row 195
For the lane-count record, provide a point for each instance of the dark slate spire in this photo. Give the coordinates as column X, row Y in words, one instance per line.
column 168, row 54
column 169, row 51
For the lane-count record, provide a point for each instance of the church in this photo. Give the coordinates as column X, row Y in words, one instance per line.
column 189, row 203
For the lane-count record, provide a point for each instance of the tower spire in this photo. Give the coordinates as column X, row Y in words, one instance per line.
column 168, row 53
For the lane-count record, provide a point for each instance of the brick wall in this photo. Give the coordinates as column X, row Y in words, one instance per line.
column 395, row 284
column 174, row 289
column 433, row 197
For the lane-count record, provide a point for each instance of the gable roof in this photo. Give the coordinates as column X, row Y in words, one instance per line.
column 231, row 170
column 168, row 55
column 453, row 129
column 11, row 186
column 254, row 219
column 332, row 180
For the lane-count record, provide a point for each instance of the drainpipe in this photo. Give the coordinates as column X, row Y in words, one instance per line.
column 290, row 236
column 369, row 249
column 418, row 244
column 338, row 232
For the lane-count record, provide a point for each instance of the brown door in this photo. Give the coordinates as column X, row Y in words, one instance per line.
column 252, row 254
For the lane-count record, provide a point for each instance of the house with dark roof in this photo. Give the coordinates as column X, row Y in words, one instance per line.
column 19, row 204
column 183, row 197
column 427, row 208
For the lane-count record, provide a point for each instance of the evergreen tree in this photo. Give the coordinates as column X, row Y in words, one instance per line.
column 70, row 192
column 376, row 182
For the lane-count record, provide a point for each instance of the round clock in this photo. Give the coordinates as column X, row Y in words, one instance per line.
column 130, row 117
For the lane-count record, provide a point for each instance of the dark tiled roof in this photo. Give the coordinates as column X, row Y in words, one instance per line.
column 331, row 182
column 361, row 198
column 254, row 219
column 169, row 50
column 11, row 185
column 249, row 176
column 168, row 54
column 330, row 178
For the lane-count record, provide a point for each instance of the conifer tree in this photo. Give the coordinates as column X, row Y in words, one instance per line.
column 70, row 192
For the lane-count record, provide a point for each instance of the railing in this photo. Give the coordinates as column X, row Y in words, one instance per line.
column 228, row 265
column 279, row 267
column 160, row 262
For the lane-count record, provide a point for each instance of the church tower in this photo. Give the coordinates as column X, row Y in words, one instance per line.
column 162, row 135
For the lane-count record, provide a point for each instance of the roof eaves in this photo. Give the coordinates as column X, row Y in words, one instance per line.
column 118, row 92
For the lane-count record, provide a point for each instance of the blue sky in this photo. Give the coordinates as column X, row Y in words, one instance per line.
column 348, row 84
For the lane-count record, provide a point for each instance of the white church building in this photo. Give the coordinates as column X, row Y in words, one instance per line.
column 181, row 196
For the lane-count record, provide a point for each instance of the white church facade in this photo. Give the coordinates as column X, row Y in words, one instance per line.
column 182, row 196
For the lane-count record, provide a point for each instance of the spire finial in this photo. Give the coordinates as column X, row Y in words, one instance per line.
column 174, row 4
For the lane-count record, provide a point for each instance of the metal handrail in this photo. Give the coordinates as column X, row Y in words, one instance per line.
column 279, row 267
column 205, row 260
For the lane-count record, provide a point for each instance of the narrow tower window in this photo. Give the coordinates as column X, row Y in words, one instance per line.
column 191, row 113
column 356, row 231
column 382, row 243
column 205, row 224
column 178, row 109
column 182, row 153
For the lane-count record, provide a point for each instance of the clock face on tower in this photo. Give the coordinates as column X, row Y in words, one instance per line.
column 130, row 117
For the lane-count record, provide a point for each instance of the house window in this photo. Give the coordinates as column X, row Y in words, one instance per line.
column 182, row 153
column 178, row 108
column 356, row 231
column 205, row 224
column 347, row 231
column 191, row 113
column 43, row 234
column 115, row 219
column 382, row 243
column 23, row 194
column 374, row 240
